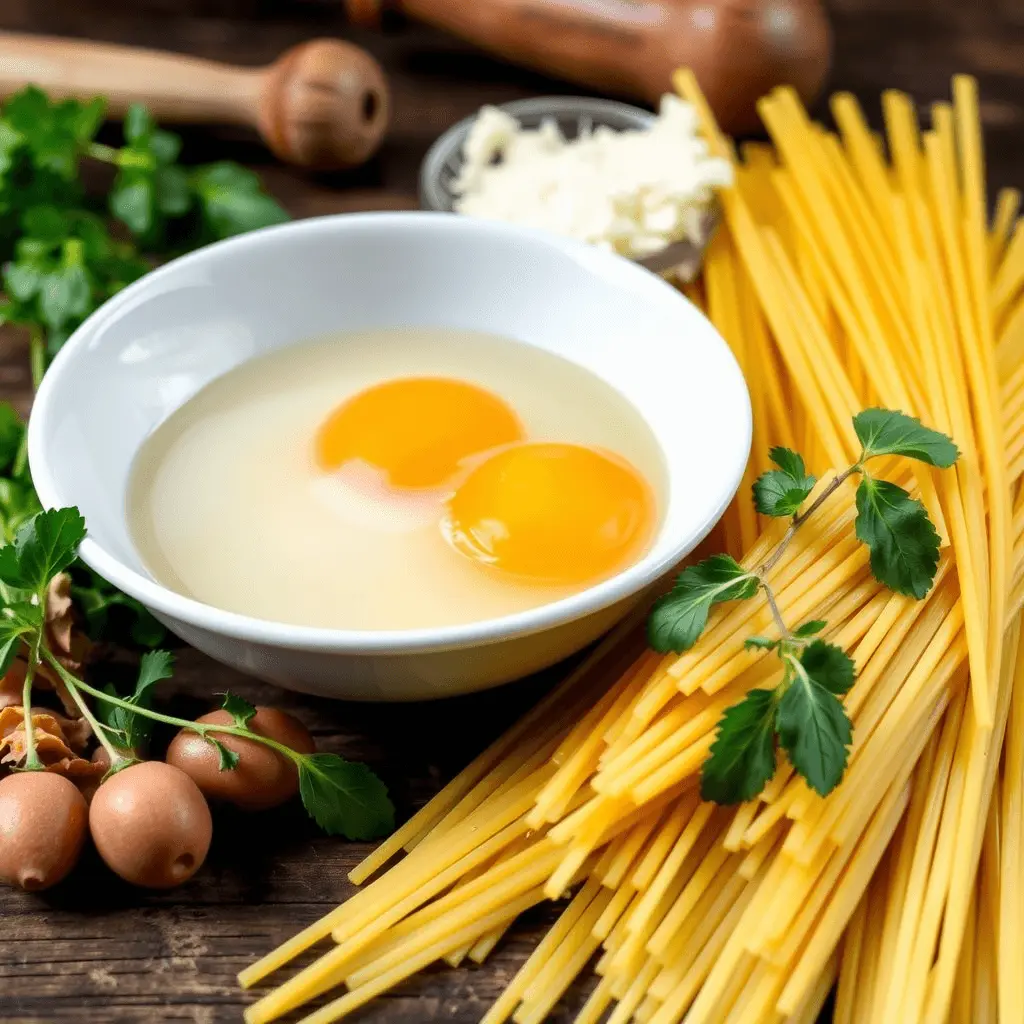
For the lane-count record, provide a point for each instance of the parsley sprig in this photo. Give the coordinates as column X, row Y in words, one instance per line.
column 804, row 712
column 65, row 250
column 343, row 797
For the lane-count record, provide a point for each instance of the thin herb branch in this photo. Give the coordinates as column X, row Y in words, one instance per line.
column 804, row 712
column 780, row 625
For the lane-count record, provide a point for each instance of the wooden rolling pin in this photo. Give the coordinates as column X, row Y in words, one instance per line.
column 738, row 49
column 322, row 104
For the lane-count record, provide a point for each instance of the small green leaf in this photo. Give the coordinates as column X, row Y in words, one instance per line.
column 763, row 643
column 87, row 118
column 903, row 542
column 231, row 201
column 65, row 295
column 110, row 615
column 228, row 758
column 18, row 504
column 742, row 758
column 11, row 141
column 165, row 147
column 154, row 667
column 43, row 223
column 173, row 198
column 238, row 708
column 781, row 492
column 22, row 280
column 815, row 732
column 812, row 628
column 132, row 201
column 133, row 729
column 12, row 431
column 885, row 432
column 138, row 123
column 17, row 623
column 44, row 546
column 679, row 617
column 345, row 797
column 829, row 666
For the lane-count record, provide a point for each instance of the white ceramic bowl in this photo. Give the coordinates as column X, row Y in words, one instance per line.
column 163, row 338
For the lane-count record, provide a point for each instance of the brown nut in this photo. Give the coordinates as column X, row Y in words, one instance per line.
column 42, row 828
column 151, row 825
column 263, row 778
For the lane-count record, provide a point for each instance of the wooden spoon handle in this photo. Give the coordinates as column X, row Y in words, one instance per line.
column 174, row 87
column 322, row 104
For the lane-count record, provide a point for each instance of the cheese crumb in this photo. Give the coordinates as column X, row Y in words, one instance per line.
column 633, row 192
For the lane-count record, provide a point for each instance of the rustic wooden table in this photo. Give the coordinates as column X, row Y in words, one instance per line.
column 95, row 950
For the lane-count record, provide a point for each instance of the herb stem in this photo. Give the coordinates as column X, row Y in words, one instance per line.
column 115, row 755
column 801, row 517
column 98, row 151
column 780, row 625
column 37, row 359
column 202, row 728
column 32, row 762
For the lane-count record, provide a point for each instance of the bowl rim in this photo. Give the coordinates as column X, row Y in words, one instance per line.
column 628, row 583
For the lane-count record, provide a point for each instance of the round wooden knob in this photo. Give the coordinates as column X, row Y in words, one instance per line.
column 324, row 105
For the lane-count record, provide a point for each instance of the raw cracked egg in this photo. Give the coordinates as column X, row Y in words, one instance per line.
column 417, row 431
column 396, row 480
column 552, row 512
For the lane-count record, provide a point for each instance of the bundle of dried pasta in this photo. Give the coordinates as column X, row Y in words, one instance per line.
column 843, row 280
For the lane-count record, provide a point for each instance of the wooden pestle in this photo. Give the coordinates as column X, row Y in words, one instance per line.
column 322, row 104
column 738, row 49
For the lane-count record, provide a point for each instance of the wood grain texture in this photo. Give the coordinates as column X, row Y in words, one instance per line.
column 96, row 951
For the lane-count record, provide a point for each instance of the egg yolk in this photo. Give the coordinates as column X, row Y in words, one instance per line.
column 416, row 430
column 556, row 513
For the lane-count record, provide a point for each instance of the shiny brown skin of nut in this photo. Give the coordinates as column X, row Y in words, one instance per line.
column 43, row 820
column 151, row 825
column 263, row 778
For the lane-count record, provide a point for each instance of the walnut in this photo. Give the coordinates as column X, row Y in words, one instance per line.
column 55, row 749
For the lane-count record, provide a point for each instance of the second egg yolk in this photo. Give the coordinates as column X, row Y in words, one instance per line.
column 416, row 430
column 554, row 513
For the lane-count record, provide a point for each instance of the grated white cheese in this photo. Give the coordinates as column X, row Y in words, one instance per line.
column 633, row 192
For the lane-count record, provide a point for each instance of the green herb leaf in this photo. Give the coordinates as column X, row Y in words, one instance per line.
column 171, row 191
column 65, row 295
column 135, row 730
column 238, row 708
column 763, row 643
column 164, row 146
column 111, row 615
column 814, row 730
column 903, row 542
column 345, row 797
column 133, row 201
column 231, row 200
column 18, row 504
column 679, row 617
column 742, row 758
column 228, row 759
column 154, row 667
column 829, row 666
column 781, row 492
column 812, row 628
column 12, row 433
column 54, row 133
column 22, row 280
column 44, row 546
column 138, row 123
column 17, row 623
column 885, row 432
column 11, row 141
